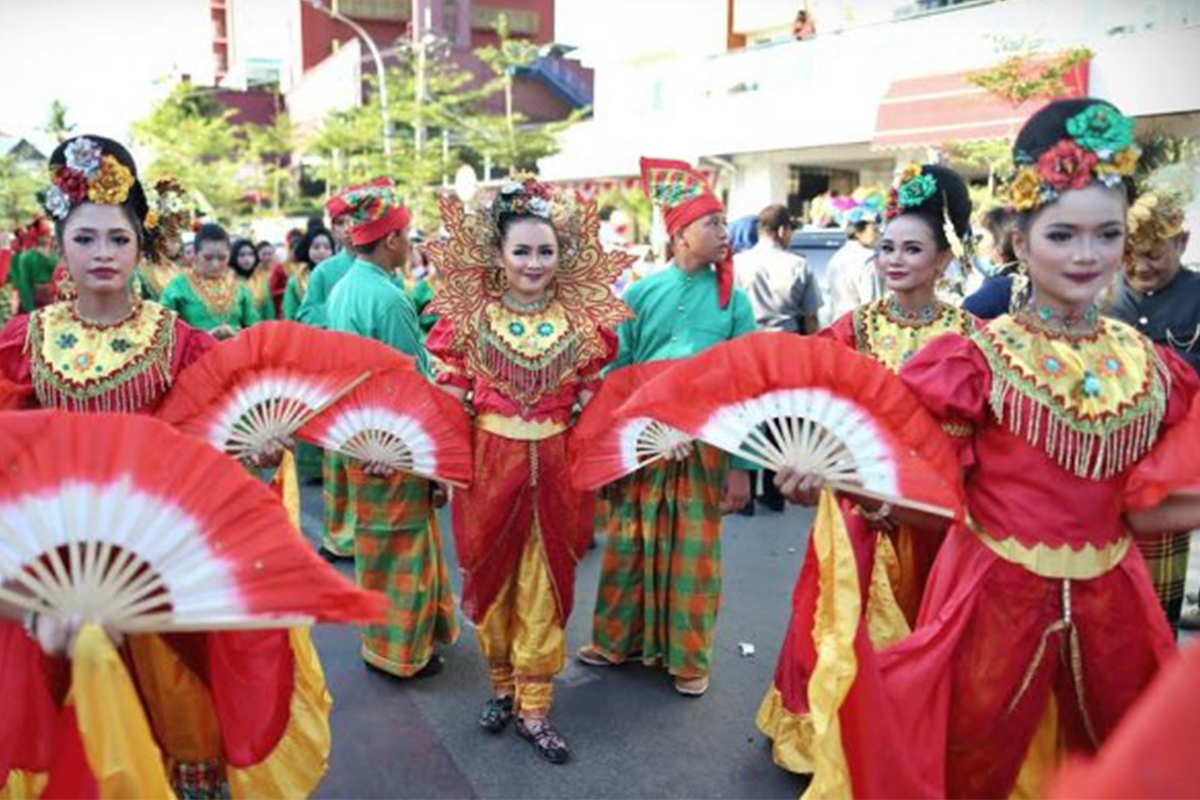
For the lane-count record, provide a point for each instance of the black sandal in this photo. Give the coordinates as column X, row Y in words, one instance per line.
column 545, row 740
column 497, row 713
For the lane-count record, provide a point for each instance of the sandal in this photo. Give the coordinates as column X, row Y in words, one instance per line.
column 545, row 740
column 497, row 713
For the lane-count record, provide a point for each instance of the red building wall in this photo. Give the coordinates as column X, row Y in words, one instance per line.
column 318, row 31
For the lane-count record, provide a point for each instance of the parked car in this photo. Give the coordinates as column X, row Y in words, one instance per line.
column 818, row 247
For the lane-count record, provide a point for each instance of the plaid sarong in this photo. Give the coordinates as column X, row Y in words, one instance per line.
column 338, row 536
column 398, row 551
column 1166, row 558
column 199, row 780
column 310, row 461
column 660, row 582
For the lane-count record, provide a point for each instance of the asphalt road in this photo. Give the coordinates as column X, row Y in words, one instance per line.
column 631, row 735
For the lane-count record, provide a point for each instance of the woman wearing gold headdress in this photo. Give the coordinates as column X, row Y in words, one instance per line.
column 526, row 324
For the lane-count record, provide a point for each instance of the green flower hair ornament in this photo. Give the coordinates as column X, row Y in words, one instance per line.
column 917, row 190
column 1101, row 129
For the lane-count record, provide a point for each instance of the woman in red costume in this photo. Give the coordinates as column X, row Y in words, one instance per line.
column 232, row 714
column 1039, row 627
column 526, row 324
column 928, row 223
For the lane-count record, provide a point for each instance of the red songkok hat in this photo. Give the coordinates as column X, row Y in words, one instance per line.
column 337, row 206
column 375, row 211
column 685, row 197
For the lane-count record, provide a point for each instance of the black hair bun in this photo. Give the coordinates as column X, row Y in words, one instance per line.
column 952, row 199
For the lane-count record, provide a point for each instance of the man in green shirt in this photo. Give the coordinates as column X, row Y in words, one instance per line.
column 660, row 583
column 337, row 540
column 330, row 271
column 397, row 546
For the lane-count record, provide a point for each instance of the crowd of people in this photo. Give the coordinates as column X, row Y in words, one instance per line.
column 968, row 658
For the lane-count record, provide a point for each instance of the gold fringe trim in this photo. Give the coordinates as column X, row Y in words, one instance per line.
column 790, row 734
column 120, row 391
column 527, row 381
column 1093, row 449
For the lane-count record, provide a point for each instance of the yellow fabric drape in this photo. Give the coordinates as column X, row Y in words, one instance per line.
column 1046, row 754
column 289, row 483
column 839, row 609
column 179, row 705
column 23, row 785
column 121, row 751
column 298, row 763
column 886, row 623
column 791, row 734
column 520, row 637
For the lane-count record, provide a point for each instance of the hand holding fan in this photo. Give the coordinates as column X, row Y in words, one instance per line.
column 779, row 401
column 403, row 421
column 122, row 520
column 606, row 447
column 267, row 382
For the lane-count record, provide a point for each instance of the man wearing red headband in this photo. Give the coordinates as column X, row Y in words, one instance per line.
column 337, row 540
column 665, row 530
column 33, row 267
column 397, row 547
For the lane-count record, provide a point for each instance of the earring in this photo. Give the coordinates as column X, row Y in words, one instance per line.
column 1022, row 289
column 66, row 288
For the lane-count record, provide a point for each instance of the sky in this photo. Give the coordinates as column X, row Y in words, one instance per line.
column 102, row 58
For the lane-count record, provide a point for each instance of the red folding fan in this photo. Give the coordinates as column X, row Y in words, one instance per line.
column 1172, row 467
column 268, row 381
column 402, row 420
column 780, row 400
column 123, row 520
column 606, row 447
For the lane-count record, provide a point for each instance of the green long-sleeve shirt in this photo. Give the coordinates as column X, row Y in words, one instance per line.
column 324, row 278
column 31, row 269
column 369, row 303
column 192, row 308
column 677, row 315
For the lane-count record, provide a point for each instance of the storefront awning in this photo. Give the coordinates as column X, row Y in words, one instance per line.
column 936, row 109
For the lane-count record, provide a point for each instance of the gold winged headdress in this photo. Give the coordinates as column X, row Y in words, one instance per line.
column 471, row 279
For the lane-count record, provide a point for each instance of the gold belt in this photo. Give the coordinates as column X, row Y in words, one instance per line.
column 517, row 428
column 1064, row 562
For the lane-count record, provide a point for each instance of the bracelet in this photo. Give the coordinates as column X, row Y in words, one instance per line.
column 29, row 623
column 878, row 515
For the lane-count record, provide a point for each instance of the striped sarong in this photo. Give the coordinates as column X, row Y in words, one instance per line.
column 1166, row 558
column 338, row 537
column 660, row 582
column 398, row 551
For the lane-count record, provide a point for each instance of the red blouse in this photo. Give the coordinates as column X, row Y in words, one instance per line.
column 554, row 406
column 1015, row 488
column 69, row 371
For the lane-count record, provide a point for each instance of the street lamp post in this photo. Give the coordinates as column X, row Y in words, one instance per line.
column 383, row 93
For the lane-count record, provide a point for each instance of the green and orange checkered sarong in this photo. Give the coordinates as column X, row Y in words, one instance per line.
column 310, row 461
column 398, row 551
column 660, row 582
column 338, row 536
column 1166, row 558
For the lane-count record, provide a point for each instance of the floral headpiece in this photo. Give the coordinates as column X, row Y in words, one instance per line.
column 168, row 215
column 1157, row 216
column 86, row 176
column 525, row 195
column 915, row 188
column 1098, row 146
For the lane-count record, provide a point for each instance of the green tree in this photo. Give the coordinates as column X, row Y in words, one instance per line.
column 19, row 185
column 1023, row 74
column 193, row 139
column 56, row 123
column 510, row 140
column 267, row 155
